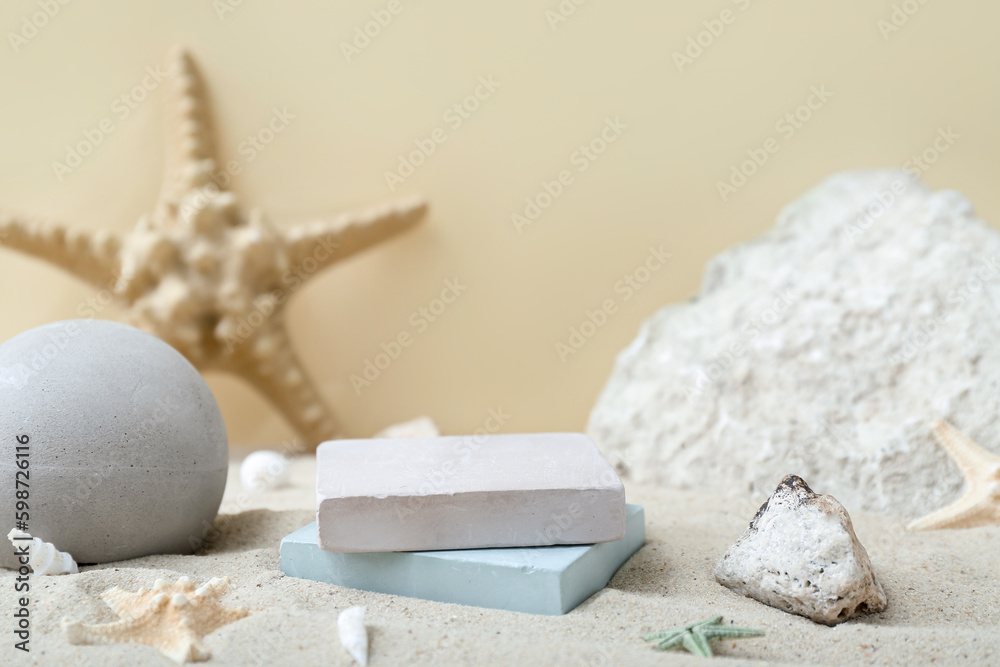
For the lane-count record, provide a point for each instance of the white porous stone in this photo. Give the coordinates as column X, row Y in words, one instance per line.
column 800, row 554
column 825, row 347
column 126, row 449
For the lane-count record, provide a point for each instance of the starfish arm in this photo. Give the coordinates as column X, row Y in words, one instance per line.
column 970, row 457
column 972, row 509
column 316, row 245
column 671, row 642
column 664, row 635
column 268, row 362
column 729, row 631
column 191, row 146
column 697, row 644
column 121, row 601
column 222, row 617
column 92, row 257
column 102, row 633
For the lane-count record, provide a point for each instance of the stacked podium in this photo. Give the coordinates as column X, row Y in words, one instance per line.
column 534, row 523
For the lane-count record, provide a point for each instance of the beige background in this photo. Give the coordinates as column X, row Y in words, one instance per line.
column 495, row 346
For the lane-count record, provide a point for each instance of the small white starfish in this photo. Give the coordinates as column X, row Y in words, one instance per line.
column 980, row 504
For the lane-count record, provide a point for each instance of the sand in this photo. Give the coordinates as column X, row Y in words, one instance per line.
column 943, row 589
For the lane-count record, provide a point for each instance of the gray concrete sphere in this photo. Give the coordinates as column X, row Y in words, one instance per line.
column 128, row 453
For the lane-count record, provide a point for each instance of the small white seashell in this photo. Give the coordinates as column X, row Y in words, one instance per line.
column 43, row 557
column 353, row 634
column 264, row 470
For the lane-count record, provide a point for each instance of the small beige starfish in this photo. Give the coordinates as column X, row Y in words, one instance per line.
column 172, row 618
column 207, row 278
column 980, row 504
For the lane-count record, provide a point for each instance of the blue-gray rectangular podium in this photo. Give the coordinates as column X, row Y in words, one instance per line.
column 538, row 580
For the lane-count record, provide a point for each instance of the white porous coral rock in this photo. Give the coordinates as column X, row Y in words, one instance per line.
column 824, row 346
column 43, row 557
column 354, row 634
column 800, row 554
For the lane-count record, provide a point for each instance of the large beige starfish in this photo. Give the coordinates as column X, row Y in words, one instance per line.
column 980, row 504
column 205, row 277
column 171, row 617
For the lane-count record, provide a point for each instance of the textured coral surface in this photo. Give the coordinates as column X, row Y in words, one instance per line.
column 823, row 348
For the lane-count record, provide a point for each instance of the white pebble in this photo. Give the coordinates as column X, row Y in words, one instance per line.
column 264, row 470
